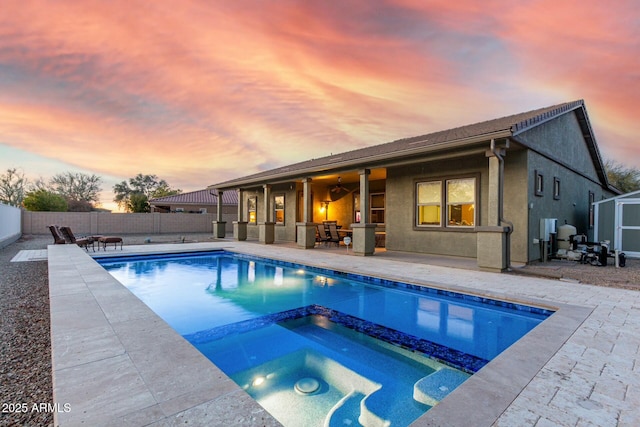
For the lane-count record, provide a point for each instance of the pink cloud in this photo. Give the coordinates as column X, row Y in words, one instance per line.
column 204, row 91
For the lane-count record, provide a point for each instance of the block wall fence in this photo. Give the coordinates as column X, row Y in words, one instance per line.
column 125, row 223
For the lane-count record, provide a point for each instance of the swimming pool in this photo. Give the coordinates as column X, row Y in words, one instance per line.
column 234, row 308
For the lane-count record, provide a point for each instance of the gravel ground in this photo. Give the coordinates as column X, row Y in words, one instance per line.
column 25, row 345
column 627, row 277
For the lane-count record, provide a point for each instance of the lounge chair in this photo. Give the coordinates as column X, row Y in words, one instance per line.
column 83, row 242
column 58, row 239
column 334, row 237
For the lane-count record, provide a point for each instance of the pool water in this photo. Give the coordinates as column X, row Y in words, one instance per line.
column 372, row 351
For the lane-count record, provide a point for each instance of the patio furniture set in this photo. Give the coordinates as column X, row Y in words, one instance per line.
column 64, row 235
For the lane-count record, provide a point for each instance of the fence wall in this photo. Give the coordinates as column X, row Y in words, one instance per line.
column 124, row 223
column 10, row 226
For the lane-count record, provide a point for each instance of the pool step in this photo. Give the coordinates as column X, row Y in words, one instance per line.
column 342, row 414
column 433, row 388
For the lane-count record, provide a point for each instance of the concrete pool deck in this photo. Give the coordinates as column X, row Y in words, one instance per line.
column 116, row 363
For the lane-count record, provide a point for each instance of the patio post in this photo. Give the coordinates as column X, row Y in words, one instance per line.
column 364, row 233
column 493, row 237
column 219, row 226
column 266, row 229
column 306, row 230
column 240, row 226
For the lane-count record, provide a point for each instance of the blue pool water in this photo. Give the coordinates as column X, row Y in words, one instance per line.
column 376, row 352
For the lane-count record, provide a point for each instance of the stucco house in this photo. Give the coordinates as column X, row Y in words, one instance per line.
column 476, row 191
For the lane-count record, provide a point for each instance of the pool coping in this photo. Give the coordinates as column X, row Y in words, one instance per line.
column 116, row 362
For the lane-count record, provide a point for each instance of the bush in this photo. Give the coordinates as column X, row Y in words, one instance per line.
column 44, row 201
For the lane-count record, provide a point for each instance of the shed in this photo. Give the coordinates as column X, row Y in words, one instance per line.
column 618, row 220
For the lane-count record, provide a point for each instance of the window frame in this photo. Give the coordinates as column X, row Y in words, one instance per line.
column 444, row 203
column 418, row 205
column 448, row 204
column 556, row 188
column 275, row 209
column 253, row 200
column 371, row 208
column 538, row 184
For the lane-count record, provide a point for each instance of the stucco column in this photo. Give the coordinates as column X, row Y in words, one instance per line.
column 493, row 204
column 364, row 233
column 307, row 212
column 306, row 230
column 219, row 226
column 493, row 238
column 240, row 226
column 266, row 229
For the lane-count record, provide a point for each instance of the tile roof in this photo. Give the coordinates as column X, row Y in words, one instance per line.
column 199, row 197
column 497, row 128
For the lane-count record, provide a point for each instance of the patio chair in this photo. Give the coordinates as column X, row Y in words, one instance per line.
column 58, row 239
column 83, row 242
column 334, row 237
column 321, row 235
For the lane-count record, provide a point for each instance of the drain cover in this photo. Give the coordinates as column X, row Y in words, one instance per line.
column 307, row 385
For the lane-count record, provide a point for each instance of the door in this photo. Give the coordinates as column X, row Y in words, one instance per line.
column 628, row 227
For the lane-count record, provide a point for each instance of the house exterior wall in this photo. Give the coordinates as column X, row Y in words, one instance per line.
column 190, row 208
column 560, row 153
column 516, row 202
column 561, row 140
column 403, row 235
column 283, row 232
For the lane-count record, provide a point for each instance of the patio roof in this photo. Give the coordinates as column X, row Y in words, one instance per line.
column 378, row 155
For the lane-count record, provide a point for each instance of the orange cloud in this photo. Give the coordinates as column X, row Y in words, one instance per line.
column 199, row 92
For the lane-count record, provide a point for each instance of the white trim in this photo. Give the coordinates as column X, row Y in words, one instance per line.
column 619, row 227
column 622, row 196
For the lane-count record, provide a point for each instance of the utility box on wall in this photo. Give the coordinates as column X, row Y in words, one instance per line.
column 548, row 241
column 548, row 226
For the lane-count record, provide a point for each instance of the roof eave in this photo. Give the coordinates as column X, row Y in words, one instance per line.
column 379, row 160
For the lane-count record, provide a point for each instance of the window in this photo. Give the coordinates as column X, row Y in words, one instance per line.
column 429, row 195
column 252, row 204
column 556, row 188
column 377, row 208
column 461, row 196
column 278, row 203
column 539, row 184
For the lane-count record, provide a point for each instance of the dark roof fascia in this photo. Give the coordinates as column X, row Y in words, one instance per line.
column 370, row 161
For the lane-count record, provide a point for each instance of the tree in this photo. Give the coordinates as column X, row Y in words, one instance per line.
column 139, row 203
column 12, row 187
column 77, row 187
column 141, row 189
column 44, row 200
column 625, row 179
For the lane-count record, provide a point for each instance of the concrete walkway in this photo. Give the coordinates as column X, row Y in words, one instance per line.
column 116, row 363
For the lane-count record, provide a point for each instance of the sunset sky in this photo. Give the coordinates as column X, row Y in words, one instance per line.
column 198, row 92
